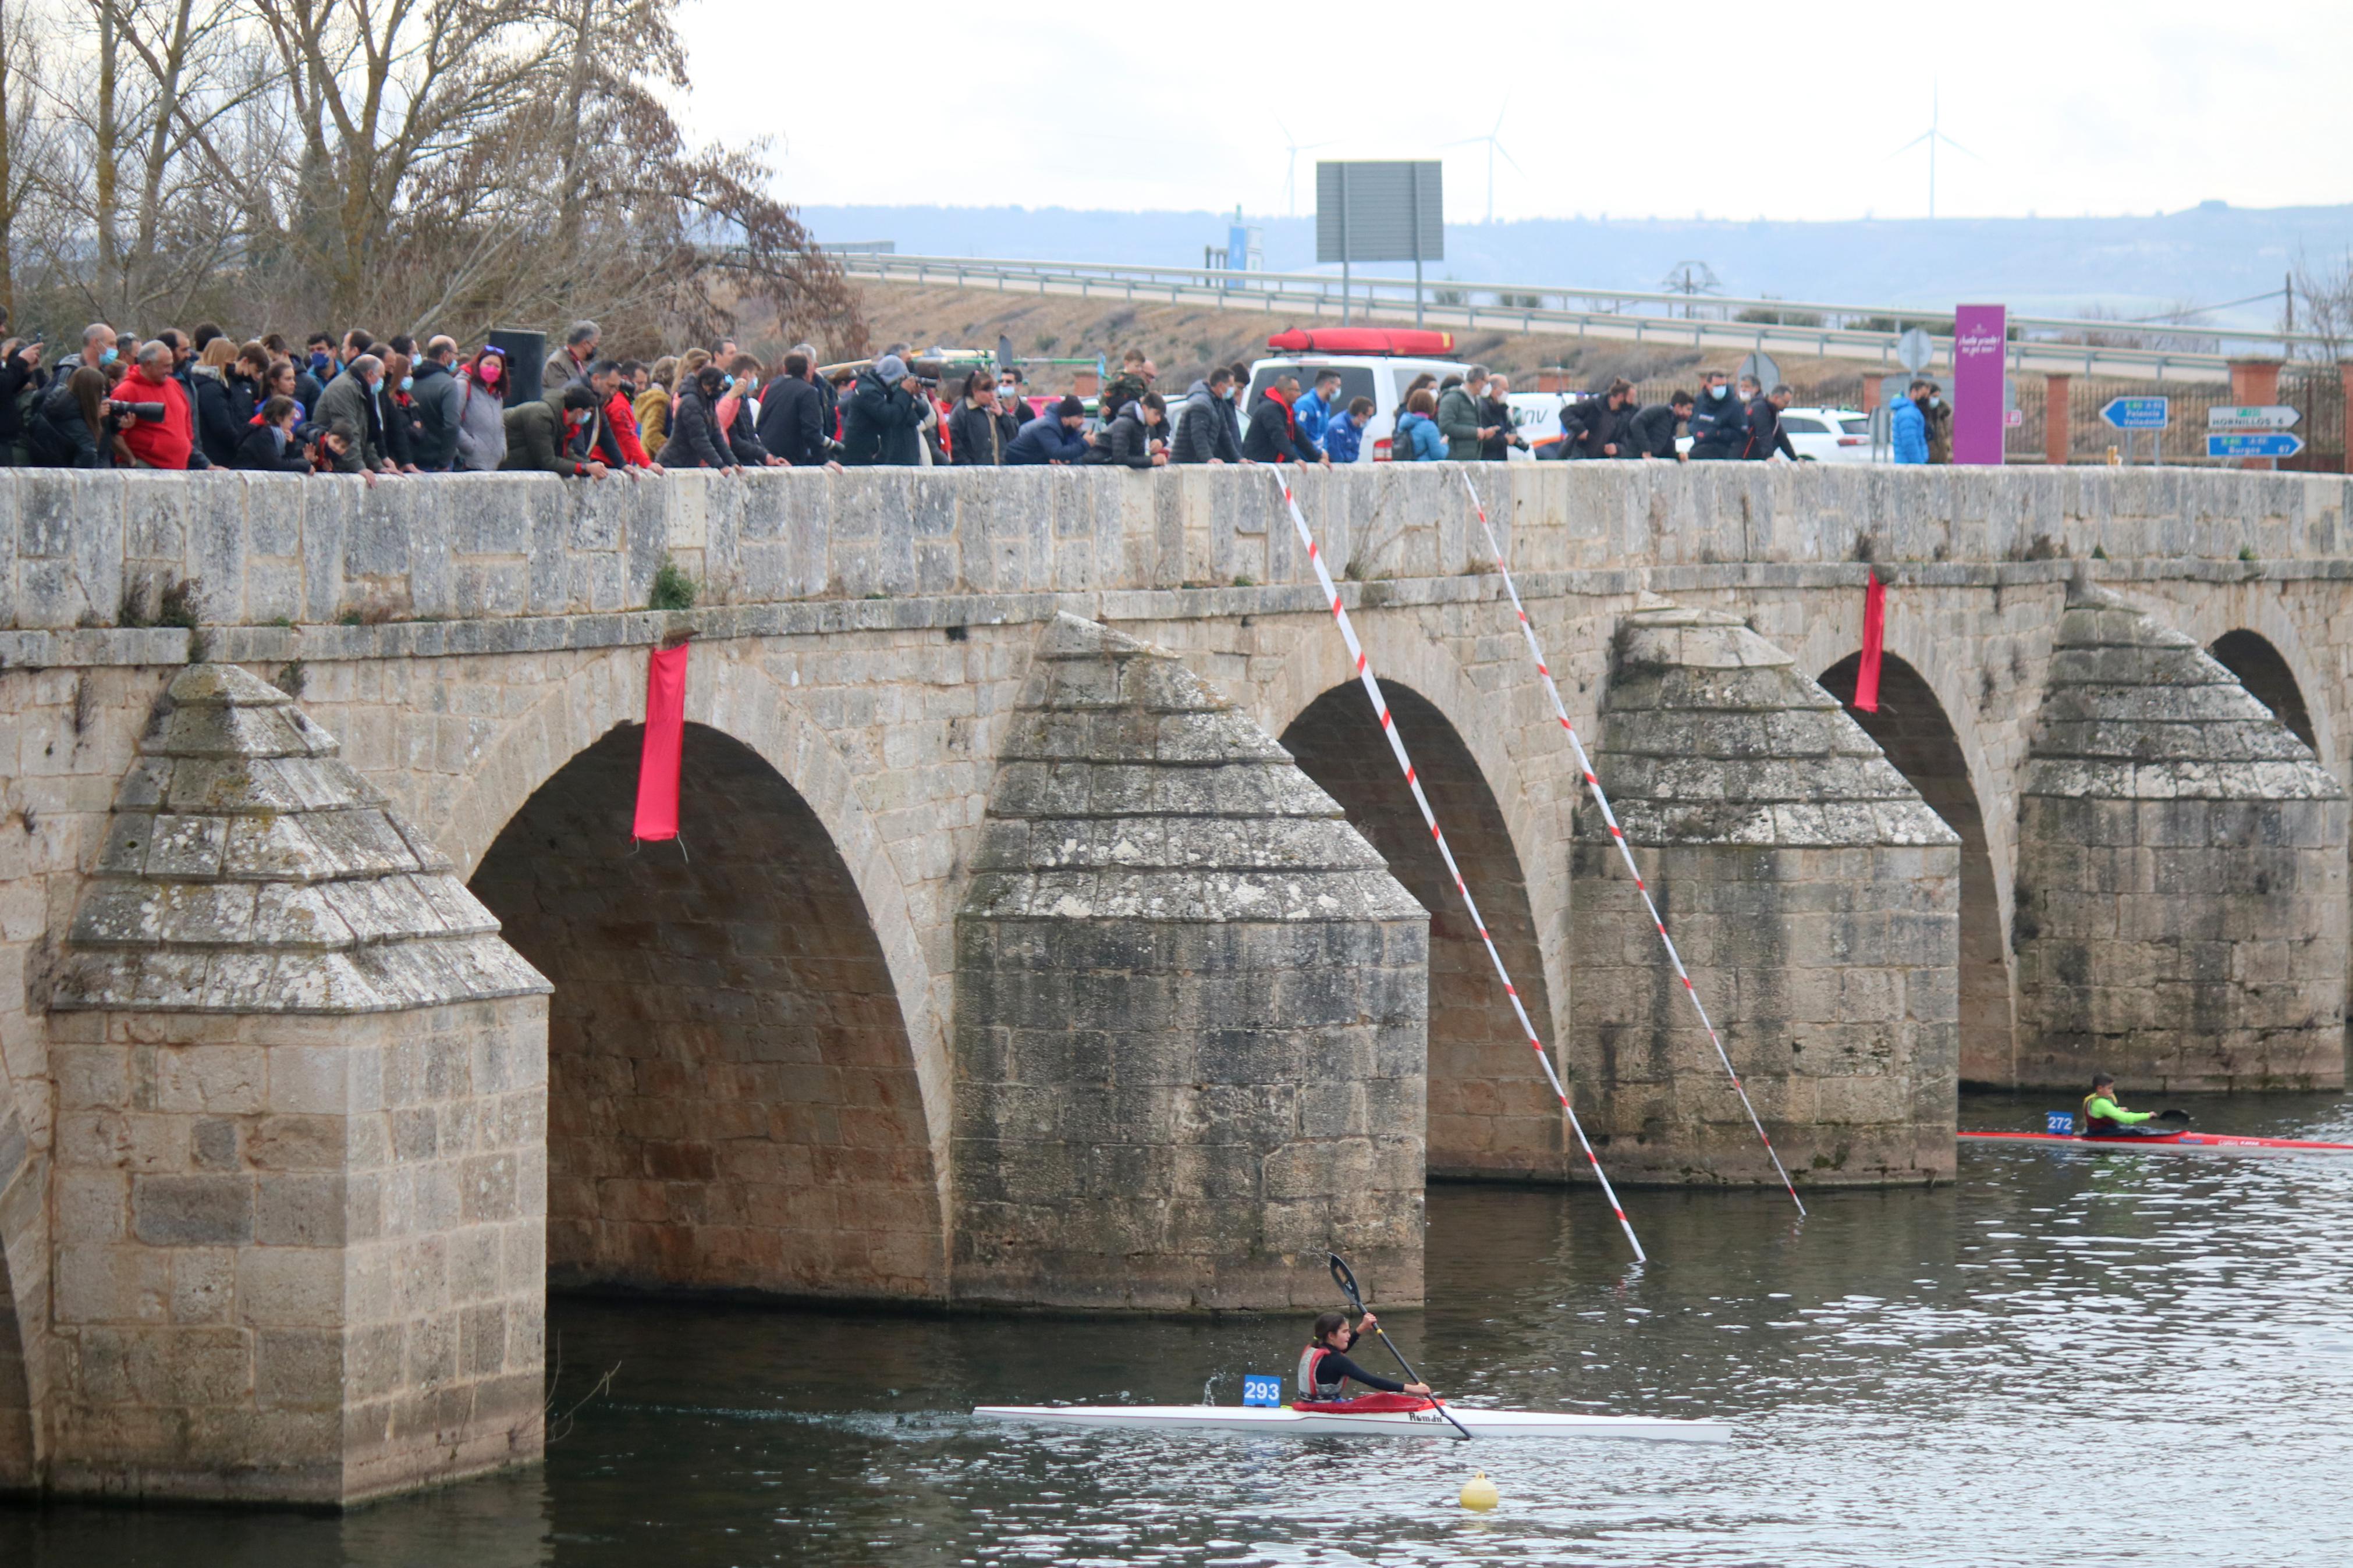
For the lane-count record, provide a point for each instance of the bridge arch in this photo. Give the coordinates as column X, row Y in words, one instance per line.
column 2265, row 674
column 1912, row 728
column 1491, row 1113
column 738, row 1088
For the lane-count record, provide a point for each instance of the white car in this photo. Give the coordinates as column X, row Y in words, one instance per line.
column 1819, row 435
column 1828, row 434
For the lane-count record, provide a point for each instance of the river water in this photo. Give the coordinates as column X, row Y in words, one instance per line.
column 2120, row 1358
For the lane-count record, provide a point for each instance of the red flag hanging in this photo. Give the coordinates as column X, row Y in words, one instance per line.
column 1874, row 633
column 658, row 764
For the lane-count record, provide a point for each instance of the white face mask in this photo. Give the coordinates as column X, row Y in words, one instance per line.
column 1717, row 392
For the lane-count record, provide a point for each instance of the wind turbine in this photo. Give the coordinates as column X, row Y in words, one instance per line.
column 1291, row 173
column 1932, row 136
column 1494, row 145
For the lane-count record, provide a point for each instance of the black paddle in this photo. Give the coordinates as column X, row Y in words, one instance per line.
column 2174, row 1114
column 1346, row 1281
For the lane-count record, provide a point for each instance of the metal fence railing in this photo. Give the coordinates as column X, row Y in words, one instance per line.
column 1855, row 333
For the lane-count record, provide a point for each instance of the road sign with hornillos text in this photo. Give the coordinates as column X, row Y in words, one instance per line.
column 2253, row 417
column 2138, row 413
column 2265, row 444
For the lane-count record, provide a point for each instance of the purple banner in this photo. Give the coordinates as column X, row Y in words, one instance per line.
column 1979, row 343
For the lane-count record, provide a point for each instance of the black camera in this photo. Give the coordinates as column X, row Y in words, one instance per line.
column 152, row 412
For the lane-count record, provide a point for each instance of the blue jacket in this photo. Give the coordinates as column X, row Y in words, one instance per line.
column 1420, row 439
column 1344, row 437
column 1043, row 440
column 1909, row 427
column 1314, row 417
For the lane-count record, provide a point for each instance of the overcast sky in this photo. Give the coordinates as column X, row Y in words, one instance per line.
column 1782, row 112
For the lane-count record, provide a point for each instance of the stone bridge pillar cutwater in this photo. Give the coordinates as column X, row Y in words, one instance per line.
column 301, row 1116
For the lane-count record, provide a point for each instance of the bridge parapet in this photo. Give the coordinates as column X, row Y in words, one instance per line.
column 102, row 549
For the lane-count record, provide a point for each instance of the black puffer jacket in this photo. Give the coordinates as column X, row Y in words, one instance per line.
column 58, row 436
column 1592, row 426
column 258, row 452
column 219, row 429
column 1125, row 441
column 1651, row 433
column 978, row 438
column 694, row 435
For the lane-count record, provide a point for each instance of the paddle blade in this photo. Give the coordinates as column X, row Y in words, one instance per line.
column 1345, row 1278
column 2173, row 1113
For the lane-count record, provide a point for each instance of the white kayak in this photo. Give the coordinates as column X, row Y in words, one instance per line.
column 1284, row 1421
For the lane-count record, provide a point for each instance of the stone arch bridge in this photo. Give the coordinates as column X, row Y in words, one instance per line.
column 1050, row 926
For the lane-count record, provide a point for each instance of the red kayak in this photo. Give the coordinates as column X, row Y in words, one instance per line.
column 2183, row 1142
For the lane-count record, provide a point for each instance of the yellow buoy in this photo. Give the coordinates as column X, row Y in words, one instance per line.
column 1478, row 1493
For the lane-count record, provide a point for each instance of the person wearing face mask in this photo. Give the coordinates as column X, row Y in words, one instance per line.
column 314, row 369
column 1907, row 425
column 1203, row 435
column 352, row 413
column 397, row 408
column 1939, row 415
column 98, row 351
column 734, row 416
column 1719, row 423
column 544, row 437
column 482, row 413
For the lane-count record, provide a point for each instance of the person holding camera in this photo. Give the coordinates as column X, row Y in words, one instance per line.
column 886, row 416
column 73, row 426
column 161, row 431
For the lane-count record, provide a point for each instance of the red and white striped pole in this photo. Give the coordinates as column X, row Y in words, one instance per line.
column 1413, row 782
column 1585, row 767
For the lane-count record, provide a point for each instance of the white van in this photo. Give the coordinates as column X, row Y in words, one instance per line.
column 1378, row 363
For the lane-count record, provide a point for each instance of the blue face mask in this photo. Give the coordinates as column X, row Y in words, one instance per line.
column 319, row 364
column 110, row 356
column 408, row 382
column 1718, row 392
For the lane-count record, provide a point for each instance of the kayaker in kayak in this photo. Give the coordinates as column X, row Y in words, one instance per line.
column 1323, row 1365
column 2103, row 1115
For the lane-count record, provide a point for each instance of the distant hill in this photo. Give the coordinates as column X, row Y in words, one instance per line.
column 2134, row 266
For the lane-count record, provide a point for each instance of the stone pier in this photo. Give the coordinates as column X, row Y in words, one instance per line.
column 1190, row 1006
column 301, row 1110
column 1815, row 900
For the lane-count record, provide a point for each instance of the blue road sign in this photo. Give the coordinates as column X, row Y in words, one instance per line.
column 2138, row 413
column 2268, row 444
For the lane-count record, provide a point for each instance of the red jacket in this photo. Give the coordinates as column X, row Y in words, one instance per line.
column 621, row 418
column 165, row 444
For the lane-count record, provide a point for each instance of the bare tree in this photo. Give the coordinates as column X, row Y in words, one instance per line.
column 2326, row 291
column 142, row 115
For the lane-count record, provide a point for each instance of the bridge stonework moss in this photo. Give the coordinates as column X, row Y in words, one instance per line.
column 1190, row 1004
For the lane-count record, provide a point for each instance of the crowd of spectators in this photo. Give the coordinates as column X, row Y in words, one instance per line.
column 356, row 406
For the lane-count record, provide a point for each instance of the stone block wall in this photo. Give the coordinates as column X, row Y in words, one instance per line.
column 302, row 1258
column 1815, row 899
column 2182, row 915
column 1190, row 1009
